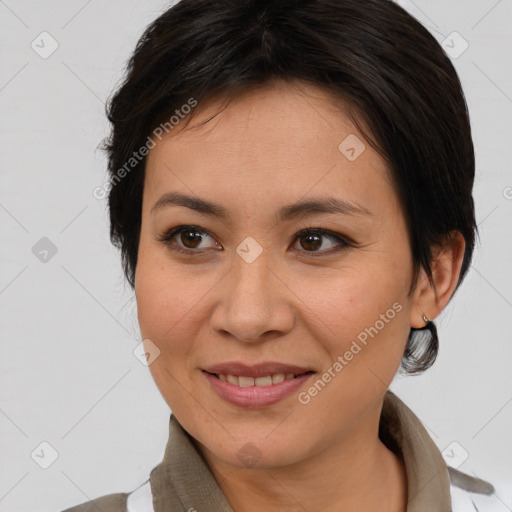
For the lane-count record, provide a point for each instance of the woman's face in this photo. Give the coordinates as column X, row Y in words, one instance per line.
column 249, row 288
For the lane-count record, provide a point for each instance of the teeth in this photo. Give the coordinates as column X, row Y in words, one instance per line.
column 263, row 381
column 245, row 382
column 232, row 379
column 278, row 377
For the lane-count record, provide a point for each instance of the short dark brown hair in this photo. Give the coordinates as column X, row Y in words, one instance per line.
column 372, row 54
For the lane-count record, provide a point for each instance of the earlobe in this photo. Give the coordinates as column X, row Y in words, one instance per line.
column 421, row 303
column 431, row 298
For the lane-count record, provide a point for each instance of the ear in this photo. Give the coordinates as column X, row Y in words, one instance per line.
column 430, row 300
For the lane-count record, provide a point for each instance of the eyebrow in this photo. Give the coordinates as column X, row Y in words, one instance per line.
column 292, row 211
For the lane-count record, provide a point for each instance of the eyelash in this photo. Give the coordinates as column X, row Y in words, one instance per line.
column 167, row 237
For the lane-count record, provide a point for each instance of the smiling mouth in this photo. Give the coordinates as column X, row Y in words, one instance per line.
column 265, row 381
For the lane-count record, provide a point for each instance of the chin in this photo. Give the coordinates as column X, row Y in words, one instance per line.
column 254, row 451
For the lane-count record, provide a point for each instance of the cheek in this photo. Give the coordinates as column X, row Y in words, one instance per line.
column 162, row 297
column 172, row 299
column 367, row 306
column 351, row 297
column 168, row 305
column 362, row 324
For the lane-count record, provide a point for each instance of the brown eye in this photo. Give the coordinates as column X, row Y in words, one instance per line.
column 313, row 241
column 189, row 240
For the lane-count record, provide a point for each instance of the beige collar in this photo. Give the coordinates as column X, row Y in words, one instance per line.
column 428, row 479
column 183, row 481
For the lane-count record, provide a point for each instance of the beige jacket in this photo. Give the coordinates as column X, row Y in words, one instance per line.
column 182, row 482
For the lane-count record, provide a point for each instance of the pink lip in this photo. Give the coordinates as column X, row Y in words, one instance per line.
column 254, row 397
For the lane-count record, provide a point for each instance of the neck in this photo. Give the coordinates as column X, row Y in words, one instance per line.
column 355, row 475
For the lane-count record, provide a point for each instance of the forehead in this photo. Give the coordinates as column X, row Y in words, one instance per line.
column 268, row 111
column 279, row 139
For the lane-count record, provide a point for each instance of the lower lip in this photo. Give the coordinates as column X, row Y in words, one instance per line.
column 255, row 396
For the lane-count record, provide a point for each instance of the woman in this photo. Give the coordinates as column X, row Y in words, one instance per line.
column 291, row 190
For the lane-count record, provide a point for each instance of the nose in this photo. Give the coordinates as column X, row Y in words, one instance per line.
column 253, row 304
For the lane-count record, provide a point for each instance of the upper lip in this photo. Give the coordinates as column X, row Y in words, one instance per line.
column 256, row 370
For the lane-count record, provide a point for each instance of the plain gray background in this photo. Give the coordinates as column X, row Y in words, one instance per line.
column 68, row 324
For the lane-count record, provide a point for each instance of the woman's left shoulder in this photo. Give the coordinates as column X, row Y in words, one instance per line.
column 472, row 494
